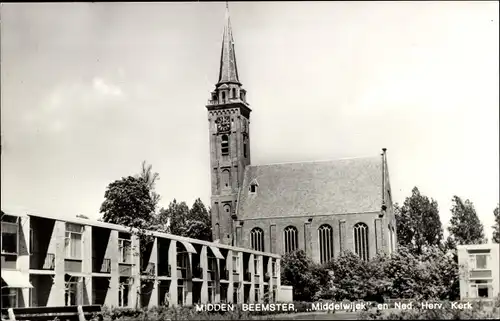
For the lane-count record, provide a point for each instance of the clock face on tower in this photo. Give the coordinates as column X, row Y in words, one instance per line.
column 223, row 124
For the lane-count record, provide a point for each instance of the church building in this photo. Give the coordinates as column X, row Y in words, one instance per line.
column 321, row 207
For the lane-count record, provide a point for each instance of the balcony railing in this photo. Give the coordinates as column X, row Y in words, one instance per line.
column 50, row 262
column 101, row 267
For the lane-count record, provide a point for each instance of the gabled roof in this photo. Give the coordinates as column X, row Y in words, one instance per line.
column 312, row 188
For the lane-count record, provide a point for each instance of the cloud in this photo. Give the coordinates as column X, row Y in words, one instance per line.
column 67, row 103
column 105, row 88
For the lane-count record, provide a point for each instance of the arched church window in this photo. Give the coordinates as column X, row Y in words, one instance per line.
column 225, row 145
column 225, row 178
column 325, row 235
column 291, row 239
column 361, row 240
column 257, row 239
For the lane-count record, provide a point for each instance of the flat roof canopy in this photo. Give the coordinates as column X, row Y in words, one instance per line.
column 16, row 279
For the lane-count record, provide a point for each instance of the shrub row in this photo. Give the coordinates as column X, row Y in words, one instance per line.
column 433, row 274
column 481, row 309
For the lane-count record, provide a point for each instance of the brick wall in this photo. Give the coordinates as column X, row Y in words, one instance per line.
column 273, row 232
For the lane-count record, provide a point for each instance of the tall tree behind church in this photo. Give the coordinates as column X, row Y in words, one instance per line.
column 465, row 227
column 418, row 223
column 496, row 226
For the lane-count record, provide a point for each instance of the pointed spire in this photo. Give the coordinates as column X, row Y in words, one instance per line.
column 228, row 72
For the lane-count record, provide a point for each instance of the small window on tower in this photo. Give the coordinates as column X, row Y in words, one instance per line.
column 225, row 145
column 233, row 93
column 253, row 188
column 223, row 95
column 245, row 147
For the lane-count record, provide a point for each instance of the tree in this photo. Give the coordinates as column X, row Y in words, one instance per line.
column 198, row 223
column 182, row 221
column 465, row 226
column 418, row 223
column 433, row 274
column 150, row 179
column 299, row 270
column 174, row 217
column 356, row 279
column 128, row 202
column 496, row 227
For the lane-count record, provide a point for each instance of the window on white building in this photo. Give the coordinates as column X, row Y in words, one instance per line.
column 236, row 263
column 236, row 293
column 257, row 293
column 10, row 236
column 181, row 292
column 211, row 291
column 479, row 261
column 73, row 292
column 124, row 292
column 125, row 248
column 256, row 261
column 73, row 241
column 481, row 289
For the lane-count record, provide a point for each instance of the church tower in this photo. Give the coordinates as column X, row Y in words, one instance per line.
column 229, row 120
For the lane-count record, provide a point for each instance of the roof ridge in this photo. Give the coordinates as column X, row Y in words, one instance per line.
column 315, row 161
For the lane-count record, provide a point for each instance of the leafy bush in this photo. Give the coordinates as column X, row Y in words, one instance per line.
column 306, row 277
column 433, row 274
column 355, row 279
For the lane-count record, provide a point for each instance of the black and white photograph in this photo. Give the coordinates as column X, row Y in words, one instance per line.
column 250, row 160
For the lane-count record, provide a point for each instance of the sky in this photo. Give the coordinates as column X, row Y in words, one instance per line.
column 90, row 90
